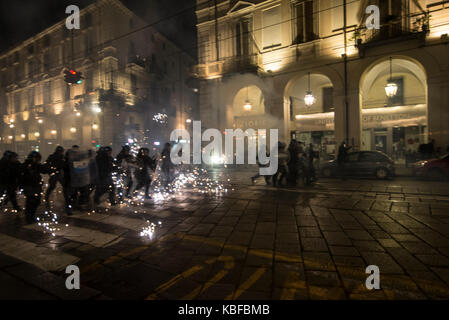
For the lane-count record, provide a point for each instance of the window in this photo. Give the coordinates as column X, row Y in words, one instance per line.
column 30, row 67
column 31, row 49
column 46, row 61
column 47, row 92
column 303, row 18
column 31, row 97
column 271, row 32
column 17, row 104
column 243, row 36
column 131, row 23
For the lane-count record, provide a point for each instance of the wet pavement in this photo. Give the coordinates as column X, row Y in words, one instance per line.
column 253, row 242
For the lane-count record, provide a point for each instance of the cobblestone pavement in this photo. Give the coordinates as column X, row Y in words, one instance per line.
column 255, row 242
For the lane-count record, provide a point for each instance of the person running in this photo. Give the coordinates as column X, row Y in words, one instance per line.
column 9, row 178
column 258, row 175
column 105, row 183
column 31, row 181
column 55, row 163
column 145, row 165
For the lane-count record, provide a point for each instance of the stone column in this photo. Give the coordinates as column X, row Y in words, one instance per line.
column 438, row 111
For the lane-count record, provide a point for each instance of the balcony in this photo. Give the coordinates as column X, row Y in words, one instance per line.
column 235, row 64
column 393, row 30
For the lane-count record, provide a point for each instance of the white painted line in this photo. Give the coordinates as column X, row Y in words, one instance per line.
column 116, row 220
column 41, row 257
column 93, row 237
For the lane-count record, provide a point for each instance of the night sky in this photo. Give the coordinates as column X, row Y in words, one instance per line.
column 21, row 19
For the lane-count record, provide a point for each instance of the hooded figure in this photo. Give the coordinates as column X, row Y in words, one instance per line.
column 105, row 169
column 9, row 178
column 55, row 165
column 31, row 181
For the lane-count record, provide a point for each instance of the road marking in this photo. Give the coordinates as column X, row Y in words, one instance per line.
column 173, row 281
column 291, row 284
column 94, row 266
column 229, row 264
column 124, row 222
column 247, row 284
column 41, row 257
column 95, row 238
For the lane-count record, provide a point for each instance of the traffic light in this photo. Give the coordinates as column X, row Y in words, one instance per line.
column 73, row 77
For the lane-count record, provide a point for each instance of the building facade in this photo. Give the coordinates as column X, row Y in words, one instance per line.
column 313, row 69
column 134, row 86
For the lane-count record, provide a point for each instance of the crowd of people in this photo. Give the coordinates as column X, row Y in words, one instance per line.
column 296, row 163
column 80, row 173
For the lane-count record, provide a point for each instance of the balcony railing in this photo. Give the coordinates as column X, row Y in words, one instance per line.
column 394, row 29
column 236, row 64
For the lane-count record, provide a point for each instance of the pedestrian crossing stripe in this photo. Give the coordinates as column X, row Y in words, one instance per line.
column 116, row 220
column 94, row 238
column 41, row 257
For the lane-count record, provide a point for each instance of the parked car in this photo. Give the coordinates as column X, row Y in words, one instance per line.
column 435, row 169
column 362, row 163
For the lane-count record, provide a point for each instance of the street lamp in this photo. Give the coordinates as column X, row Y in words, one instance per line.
column 96, row 109
column 73, row 130
column 391, row 89
column 309, row 99
column 95, row 126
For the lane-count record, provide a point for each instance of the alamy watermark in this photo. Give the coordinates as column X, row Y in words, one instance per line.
column 373, row 281
column 268, row 159
column 73, row 281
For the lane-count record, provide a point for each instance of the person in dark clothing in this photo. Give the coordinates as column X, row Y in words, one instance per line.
column 282, row 165
column 258, row 175
column 341, row 158
column 144, row 165
column 311, row 155
column 105, row 183
column 125, row 162
column 31, row 181
column 55, row 165
column 93, row 173
column 293, row 150
column 166, row 165
column 9, row 178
